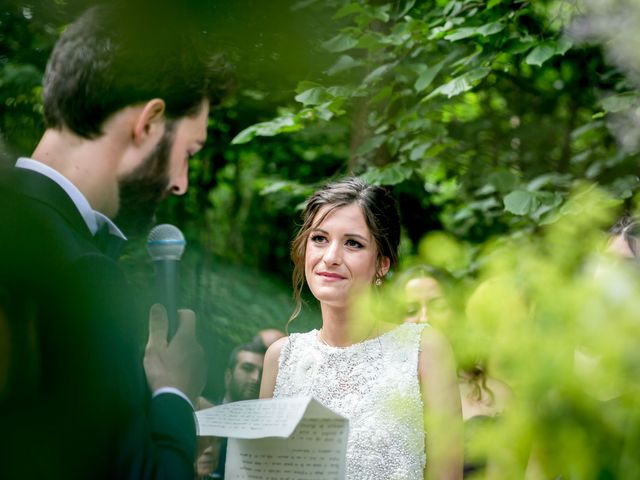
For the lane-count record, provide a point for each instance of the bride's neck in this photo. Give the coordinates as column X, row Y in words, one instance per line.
column 340, row 329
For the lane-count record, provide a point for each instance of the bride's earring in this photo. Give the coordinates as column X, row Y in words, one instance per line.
column 378, row 282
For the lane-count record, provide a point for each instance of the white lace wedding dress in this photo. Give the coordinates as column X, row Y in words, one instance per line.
column 375, row 385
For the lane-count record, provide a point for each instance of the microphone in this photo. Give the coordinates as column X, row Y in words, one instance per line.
column 165, row 245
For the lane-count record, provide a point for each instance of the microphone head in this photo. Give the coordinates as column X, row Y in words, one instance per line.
column 165, row 242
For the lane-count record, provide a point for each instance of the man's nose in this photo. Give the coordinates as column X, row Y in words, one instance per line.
column 180, row 182
column 423, row 314
column 255, row 375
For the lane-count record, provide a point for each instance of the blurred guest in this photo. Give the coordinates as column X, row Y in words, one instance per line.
column 624, row 239
column 244, row 373
column 483, row 400
column 423, row 293
column 268, row 336
column 242, row 382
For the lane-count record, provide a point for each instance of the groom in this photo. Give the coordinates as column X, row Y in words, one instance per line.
column 125, row 108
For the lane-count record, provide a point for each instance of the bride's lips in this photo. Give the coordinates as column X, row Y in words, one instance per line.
column 331, row 276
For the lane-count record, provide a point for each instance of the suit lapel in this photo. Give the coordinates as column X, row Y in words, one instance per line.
column 42, row 189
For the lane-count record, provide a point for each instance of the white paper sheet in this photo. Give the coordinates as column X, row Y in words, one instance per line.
column 279, row 439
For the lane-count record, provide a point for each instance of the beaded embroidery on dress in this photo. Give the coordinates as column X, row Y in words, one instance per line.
column 375, row 385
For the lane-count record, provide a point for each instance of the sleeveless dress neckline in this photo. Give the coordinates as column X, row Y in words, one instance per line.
column 375, row 385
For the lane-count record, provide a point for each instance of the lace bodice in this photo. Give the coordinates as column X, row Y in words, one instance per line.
column 375, row 385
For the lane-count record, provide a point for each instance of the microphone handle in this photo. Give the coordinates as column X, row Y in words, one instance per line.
column 167, row 281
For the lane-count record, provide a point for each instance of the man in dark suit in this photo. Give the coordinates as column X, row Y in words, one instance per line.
column 124, row 109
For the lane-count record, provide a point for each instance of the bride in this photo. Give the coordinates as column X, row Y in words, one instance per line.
column 396, row 384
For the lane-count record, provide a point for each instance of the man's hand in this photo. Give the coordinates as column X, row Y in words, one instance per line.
column 180, row 363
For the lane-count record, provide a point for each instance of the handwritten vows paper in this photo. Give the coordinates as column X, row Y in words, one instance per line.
column 279, row 439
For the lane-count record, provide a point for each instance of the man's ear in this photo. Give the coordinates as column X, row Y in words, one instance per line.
column 150, row 118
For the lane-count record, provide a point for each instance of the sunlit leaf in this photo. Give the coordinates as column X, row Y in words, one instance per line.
column 521, row 202
column 340, row 43
column 427, row 76
column 348, row 9
column 541, row 54
column 345, row 62
column 378, row 72
column 371, row 144
column 313, row 96
column 461, row 84
column 484, row 30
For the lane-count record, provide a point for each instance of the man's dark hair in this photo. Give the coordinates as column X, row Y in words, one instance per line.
column 110, row 58
column 254, row 347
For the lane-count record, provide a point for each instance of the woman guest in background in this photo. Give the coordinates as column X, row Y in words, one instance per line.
column 483, row 397
column 422, row 288
column 393, row 383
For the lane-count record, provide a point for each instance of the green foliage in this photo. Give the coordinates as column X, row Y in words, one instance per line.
column 556, row 320
column 449, row 94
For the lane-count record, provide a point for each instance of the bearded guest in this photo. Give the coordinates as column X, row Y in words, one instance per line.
column 125, row 107
column 241, row 382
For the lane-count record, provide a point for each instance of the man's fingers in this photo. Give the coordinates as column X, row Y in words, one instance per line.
column 186, row 322
column 158, row 325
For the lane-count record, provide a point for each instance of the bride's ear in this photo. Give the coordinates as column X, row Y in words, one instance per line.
column 383, row 266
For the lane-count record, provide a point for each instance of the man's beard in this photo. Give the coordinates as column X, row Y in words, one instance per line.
column 244, row 391
column 143, row 189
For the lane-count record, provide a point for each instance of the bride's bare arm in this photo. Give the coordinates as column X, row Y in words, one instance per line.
column 270, row 369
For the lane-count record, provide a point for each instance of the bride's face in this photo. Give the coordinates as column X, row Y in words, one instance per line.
column 341, row 254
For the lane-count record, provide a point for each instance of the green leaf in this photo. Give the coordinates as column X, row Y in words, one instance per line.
column 521, row 202
column 466, row 32
column 461, row 84
column 517, row 46
column 340, row 43
column 380, row 13
column 502, row 180
column 378, row 72
column 460, row 34
column 287, row 123
column 306, row 85
column 382, row 94
column 371, row 144
column 427, row 76
column 340, row 90
column 371, row 41
column 408, row 6
column 345, row 62
column 244, row 136
column 563, row 45
column 491, row 28
column 392, row 174
column 313, row 96
column 418, row 151
column 541, row 54
column 348, row 9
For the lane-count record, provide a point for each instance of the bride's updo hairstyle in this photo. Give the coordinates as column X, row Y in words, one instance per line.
column 380, row 212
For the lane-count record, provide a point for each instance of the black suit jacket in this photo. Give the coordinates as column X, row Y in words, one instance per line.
column 73, row 397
